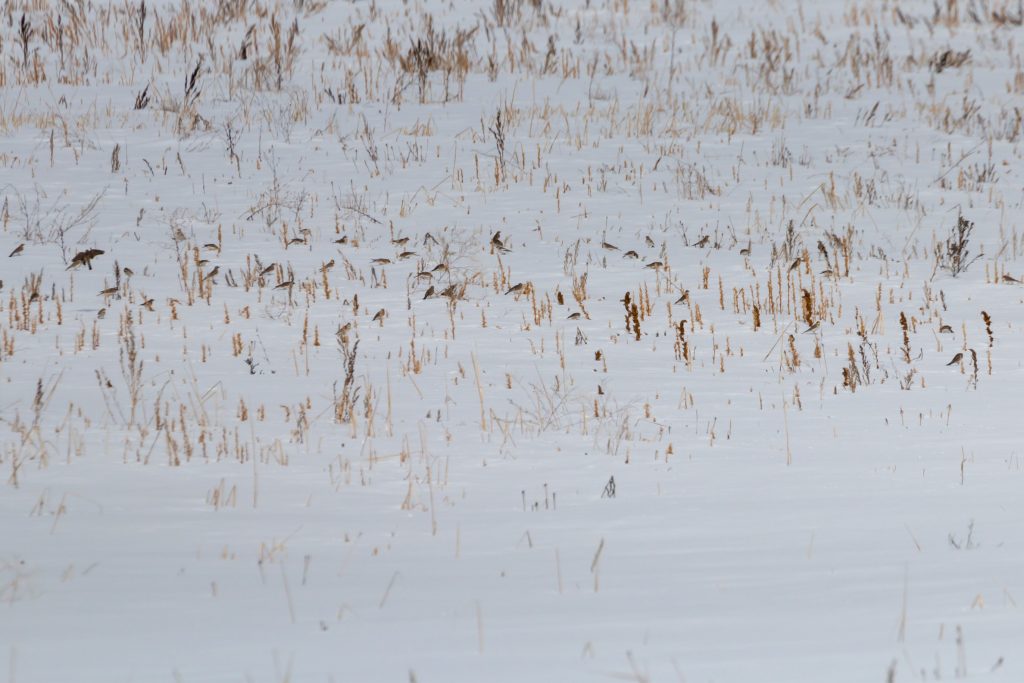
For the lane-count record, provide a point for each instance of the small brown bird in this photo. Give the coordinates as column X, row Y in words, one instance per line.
column 684, row 298
column 327, row 266
column 1013, row 280
column 380, row 315
column 516, row 288
column 655, row 265
column 17, row 250
column 148, row 304
column 129, row 272
column 84, row 258
column 745, row 251
column 343, row 240
column 496, row 240
column 631, row 254
column 269, row 269
column 609, row 246
column 794, row 265
column 440, row 267
column 406, row 254
column 424, row 275
column 102, row 313
column 945, row 329
column 956, row 359
column 430, row 292
column 212, row 247
column 109, row 291
column 574, row 316
column 827, row 272
column 285, row 285
column 212, row 273
column 813, row 328
column 296, row 240
column 702, row 242
column 203, row 262
column 400, row 242
column 649, row 241
column 381, row 261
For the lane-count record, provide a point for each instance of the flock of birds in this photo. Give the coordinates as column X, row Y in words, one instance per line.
column 453, row 291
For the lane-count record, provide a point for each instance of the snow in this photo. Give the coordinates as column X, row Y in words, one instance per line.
column 188, row 496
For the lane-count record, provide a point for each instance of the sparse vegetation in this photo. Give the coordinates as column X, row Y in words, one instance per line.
column 304, row 304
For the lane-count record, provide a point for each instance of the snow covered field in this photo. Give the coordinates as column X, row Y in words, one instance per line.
column 520, row 340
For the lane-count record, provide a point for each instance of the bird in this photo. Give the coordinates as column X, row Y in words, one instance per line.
column 516, row 288
column 400, row 242
column 285, row 285
column 296, row 240
column 381, row 261
column 793, row 266
column 268, row 269
column 430, row 292
column 211, row 246
column 148, row 304
column 84, row 258
column 828, row 272
column 684, row 298
column 496, row 240
column 343, row 240
column 609, row 246
column 102, row 313
column 702, row 242
column 945, row 329
column 406, row 254
column 654, row 265
column 109, row 291
column 212, row 273
column 813, row 327
column 956, row 359
column 327, row 266
column 129, row 272
column 17, row 250
column 440, row 267
column 649, row 241
column 631, row 254
column 380, row 315
column 1007, row 278
column 574, row 316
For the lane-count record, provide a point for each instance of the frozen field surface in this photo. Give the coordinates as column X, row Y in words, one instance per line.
column 519, row 340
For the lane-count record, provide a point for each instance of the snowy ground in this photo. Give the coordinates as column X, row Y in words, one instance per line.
column 511, row 341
